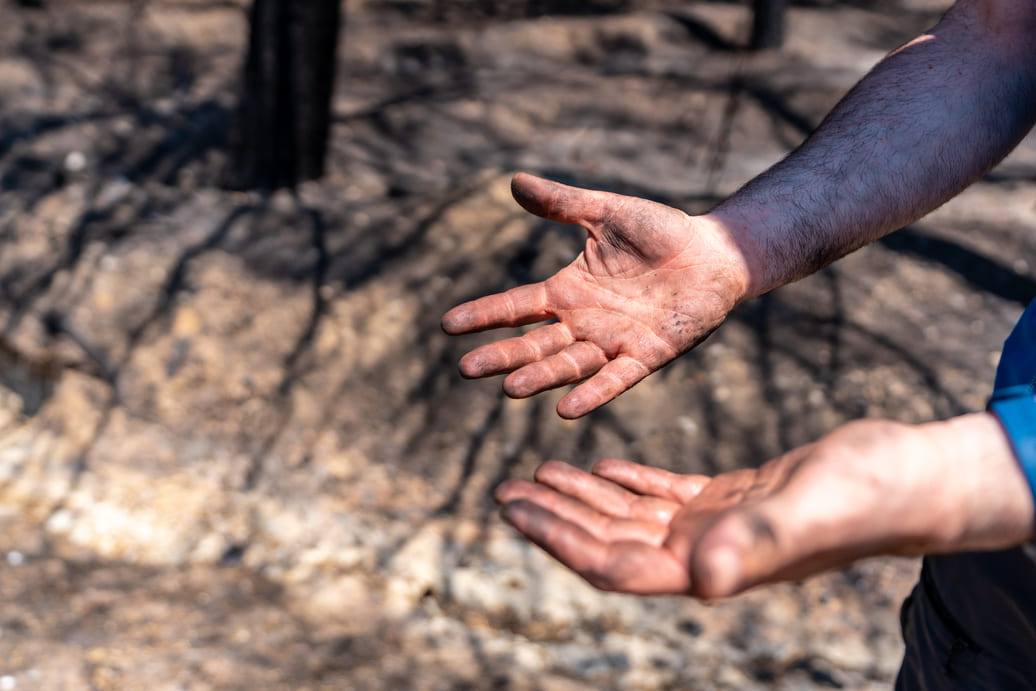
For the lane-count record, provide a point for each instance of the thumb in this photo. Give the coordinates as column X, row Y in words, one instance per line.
column 557, row 202
column 787, row 536
column 739, row 550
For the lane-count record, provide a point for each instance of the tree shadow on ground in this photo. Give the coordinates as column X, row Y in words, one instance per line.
column 349, row 257
column 143, row 152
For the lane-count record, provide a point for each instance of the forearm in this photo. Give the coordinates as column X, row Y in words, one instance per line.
column 927, row 121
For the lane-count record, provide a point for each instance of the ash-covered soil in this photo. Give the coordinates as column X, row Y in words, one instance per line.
column 234, row 448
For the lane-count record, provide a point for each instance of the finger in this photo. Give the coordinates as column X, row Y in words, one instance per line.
column 611, row 380
column 510, row 354
column 515, row 307
column 655, row 482
column 602, row 526
column 603, row 495
column 629, row 567
column 558, row 202
column 574, row 363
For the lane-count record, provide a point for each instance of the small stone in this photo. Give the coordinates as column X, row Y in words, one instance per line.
column 687, row 425
column 75, row 161
column 416, row 570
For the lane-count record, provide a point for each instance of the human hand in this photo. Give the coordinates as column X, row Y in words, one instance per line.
column 870, row 487
column 651, row 283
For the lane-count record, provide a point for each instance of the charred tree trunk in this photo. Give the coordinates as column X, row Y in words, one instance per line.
column 768, row 23
column 283, row 119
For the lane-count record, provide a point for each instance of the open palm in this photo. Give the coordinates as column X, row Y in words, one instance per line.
column 651, row 283
column 869, row 487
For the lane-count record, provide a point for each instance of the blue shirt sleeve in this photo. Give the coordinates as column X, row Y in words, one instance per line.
column 1017, row 368
column 1014, row 393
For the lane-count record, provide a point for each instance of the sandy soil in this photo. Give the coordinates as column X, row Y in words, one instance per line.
column 234, row 448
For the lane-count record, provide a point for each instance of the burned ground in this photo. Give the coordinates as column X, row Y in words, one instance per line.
column 234, row 447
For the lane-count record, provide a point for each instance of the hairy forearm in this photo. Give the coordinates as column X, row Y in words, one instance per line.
column 926, row 122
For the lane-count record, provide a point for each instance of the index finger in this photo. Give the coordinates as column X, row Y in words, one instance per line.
column 625, row 566
column 515, row 307
column 654, row 482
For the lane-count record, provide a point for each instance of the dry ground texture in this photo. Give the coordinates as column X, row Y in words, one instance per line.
column 234, row 449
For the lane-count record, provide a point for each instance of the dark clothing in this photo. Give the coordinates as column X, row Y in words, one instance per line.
column 971, row 621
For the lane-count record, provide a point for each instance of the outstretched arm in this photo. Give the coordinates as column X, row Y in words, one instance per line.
column 925, row 123
column 865, row 489
column 653, row 282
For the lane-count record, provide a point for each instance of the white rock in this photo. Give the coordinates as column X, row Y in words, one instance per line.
column 416, row 569
column 75, row 161
column 496, row 592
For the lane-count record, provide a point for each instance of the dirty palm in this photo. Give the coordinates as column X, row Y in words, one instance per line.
column 651, row 283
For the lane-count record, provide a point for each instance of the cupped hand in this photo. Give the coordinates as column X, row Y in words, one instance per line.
column 870, row 487
column 651, row 283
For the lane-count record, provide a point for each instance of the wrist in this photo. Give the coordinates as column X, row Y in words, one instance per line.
column 988, row 501
column 746, row 252
column 1015, row 410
